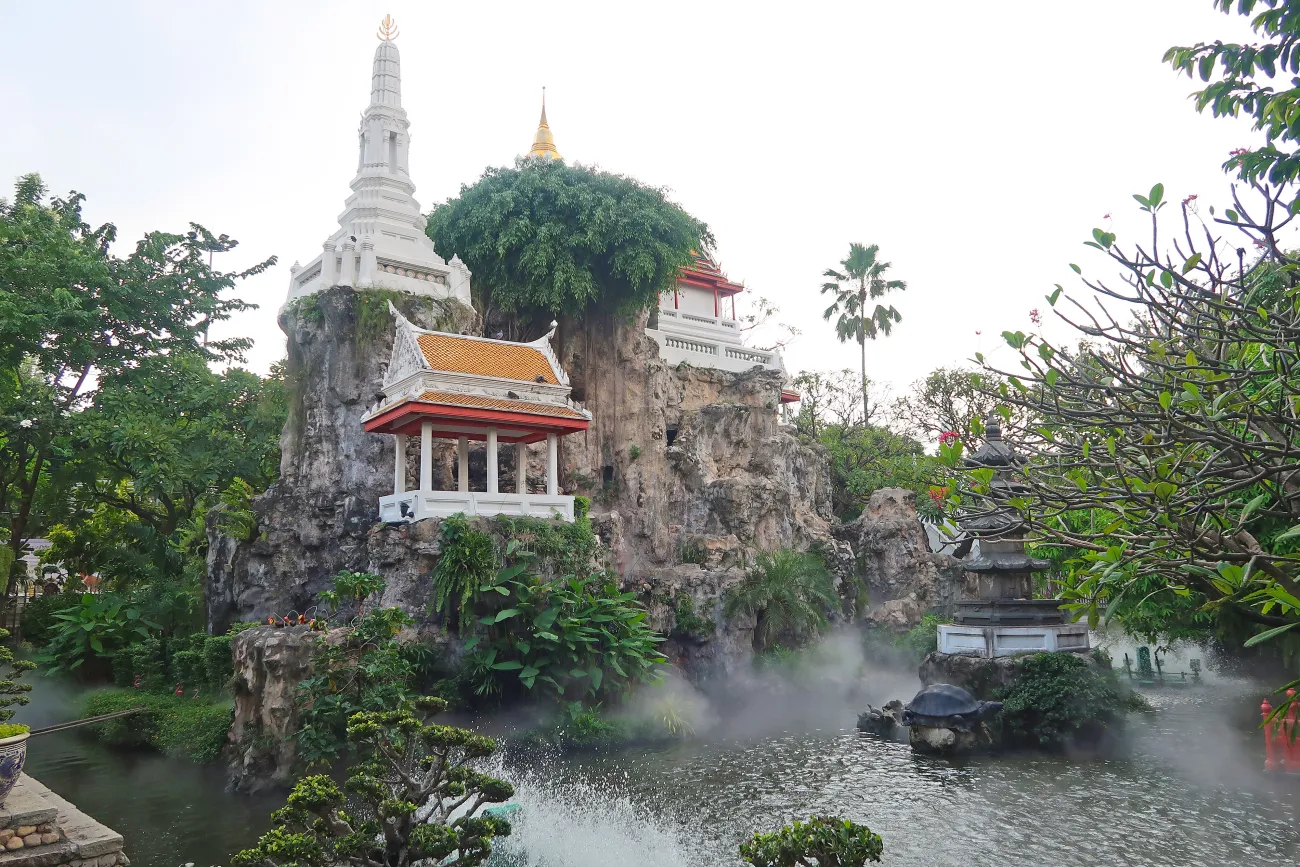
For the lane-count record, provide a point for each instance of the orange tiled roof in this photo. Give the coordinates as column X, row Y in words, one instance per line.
column 486, row 358
column 475, row 401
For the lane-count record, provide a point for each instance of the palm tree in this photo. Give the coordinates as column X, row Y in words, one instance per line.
column 862, row 278
column 789, row 591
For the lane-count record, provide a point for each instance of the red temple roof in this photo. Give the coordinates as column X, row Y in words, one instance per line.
column 707, row 274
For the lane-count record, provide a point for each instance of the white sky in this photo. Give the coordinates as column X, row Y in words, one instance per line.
column 976, row 143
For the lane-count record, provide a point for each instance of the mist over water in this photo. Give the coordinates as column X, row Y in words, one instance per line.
column 1187, row 789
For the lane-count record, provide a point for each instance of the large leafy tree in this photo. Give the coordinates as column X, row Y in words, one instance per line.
column 1243, row 79
column 543, row 238
column 859, row 281
column 951, row 400
column 151, row 453
column 1170, row 434
column 75, row 319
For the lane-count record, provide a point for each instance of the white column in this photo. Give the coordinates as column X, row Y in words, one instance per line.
column 552, row 465
column 426, row 456
column 492, row 461
column 367, row 275
column 521, row 467
column 328, row 276
column 462, row 461
column 399, row 465
column 348, row 267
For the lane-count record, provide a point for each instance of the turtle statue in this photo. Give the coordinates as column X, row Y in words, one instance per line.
column 945, row 719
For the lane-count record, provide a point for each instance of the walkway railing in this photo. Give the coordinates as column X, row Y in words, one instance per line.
column 1281, row 737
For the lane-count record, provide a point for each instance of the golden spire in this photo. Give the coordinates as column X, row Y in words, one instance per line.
column 387, row 31
column 543, row 142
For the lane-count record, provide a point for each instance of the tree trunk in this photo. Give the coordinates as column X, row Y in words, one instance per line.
column 862, row 340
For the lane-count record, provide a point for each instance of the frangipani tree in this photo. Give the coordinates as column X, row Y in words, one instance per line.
column 860, row 281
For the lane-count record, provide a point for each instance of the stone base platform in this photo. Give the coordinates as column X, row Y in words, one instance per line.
column 40, row 829
column 1000, row 640
column 979, row 675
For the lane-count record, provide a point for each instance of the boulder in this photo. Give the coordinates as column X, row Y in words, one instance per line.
column 903, row 578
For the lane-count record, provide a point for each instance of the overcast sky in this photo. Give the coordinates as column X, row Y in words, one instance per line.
column 976, row 143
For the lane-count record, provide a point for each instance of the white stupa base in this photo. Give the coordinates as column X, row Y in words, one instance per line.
column 994, row 641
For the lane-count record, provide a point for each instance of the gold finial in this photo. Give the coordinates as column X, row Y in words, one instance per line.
column 387, row 29
column 544, row 141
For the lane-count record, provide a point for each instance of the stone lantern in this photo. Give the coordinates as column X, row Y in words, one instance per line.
column 1004, row 618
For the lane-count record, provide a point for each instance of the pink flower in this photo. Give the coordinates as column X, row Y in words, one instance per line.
column 1190, row 198
column 1105, row 216
column 1236, row 152
column 948, row 437
column 1035, row 317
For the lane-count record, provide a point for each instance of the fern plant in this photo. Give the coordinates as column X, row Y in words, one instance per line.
column 789, row 592
column 467, row 561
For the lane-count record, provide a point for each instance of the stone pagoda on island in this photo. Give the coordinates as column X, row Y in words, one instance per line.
column 1004, row 619
column 380, row 241
column 465, row 388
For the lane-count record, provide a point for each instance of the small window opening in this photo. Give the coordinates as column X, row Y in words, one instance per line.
column 671, row 434
column 609, row 473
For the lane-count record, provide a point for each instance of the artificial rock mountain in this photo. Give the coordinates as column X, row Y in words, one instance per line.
column 688, row 470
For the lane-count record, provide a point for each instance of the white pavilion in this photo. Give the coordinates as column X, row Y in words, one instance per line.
column 380, row 241
column 473, row 388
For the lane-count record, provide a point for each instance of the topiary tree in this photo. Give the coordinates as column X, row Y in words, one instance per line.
column 11, row 692
column 822, row 841
column 416, row 798
column 790, row 593
column 545, row 238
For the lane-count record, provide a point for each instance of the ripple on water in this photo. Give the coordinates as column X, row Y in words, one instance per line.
column 1186, row 795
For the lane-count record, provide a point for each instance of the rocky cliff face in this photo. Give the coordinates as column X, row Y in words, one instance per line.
column 894, row 564
column 688, row 469
column 314, row 521
column 269, row 665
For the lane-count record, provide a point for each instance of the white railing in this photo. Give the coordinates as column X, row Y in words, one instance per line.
column 417, row 505
column 756, row 356
column 693, row 345
column 700, row 319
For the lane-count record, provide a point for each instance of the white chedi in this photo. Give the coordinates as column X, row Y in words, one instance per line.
column 380, row 241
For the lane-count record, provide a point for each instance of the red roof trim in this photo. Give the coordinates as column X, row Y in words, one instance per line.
column 410, row 413
column 788, row 396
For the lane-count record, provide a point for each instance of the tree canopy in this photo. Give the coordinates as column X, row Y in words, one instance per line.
column 106, row 399
column 543, row 238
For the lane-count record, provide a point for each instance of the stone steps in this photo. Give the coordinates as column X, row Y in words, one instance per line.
column 63, row 834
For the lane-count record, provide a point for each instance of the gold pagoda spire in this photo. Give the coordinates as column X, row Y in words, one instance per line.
column 543, row 142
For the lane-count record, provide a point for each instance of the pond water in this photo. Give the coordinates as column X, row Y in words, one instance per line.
column 1186, row 792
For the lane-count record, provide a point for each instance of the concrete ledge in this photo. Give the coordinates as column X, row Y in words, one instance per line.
column 990, row 642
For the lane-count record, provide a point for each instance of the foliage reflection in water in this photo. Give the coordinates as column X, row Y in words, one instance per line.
column 169, row 810
column 1188, row 795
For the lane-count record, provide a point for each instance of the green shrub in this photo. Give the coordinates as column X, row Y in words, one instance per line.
column 555, row 547
column 38, row 622
column 1059, row 700
column 366, row 672
column 95, row 628
column 466, row 560
column 218, row 666
column 574, row 637
column 822, row 841
column 687, row 622
column 581, row 508
column 174, row 725
column 789, row 592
